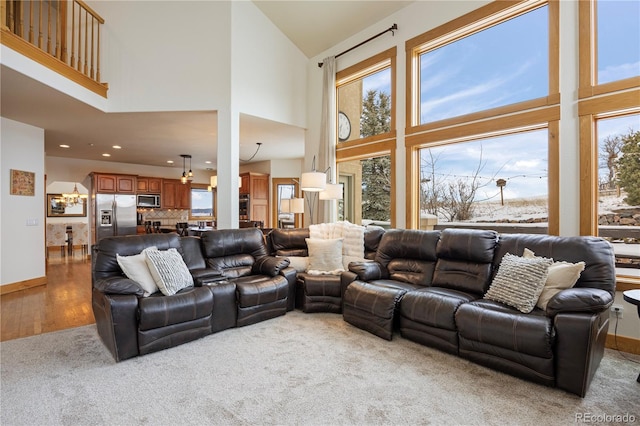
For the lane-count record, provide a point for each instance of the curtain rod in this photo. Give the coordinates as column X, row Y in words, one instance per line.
column 391, row 28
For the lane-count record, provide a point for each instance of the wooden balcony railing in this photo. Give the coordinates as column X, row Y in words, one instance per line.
column 63, row 35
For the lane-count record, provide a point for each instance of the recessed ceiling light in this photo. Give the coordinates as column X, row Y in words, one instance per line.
column 116, row 147
column 106, row 155
column 207, row 162
column 170, row 161
column 65, row 146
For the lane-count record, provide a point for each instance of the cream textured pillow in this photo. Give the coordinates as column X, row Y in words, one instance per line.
column 325, row 256
column 519, row 281
column 562, row 275
column 136, row 269
column 169, row 271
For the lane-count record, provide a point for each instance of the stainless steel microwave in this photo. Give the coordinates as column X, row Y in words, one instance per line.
column 150, row 201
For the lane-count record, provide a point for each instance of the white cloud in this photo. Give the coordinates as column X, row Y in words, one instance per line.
column 618, row 72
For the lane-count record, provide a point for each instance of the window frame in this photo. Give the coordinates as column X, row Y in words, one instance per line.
column 502, row 120
column 597, row 101
column 377, row 145
column 204, row 187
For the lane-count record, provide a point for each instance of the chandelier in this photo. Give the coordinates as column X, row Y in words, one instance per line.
column 186, row 176
column 73, row 198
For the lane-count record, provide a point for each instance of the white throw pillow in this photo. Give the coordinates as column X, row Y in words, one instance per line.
column 136, row 269
column 519, row 281
column 169, row 271
column 562, row 275
column 325, row 256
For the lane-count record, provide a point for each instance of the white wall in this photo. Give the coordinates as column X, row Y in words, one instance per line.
column 268, row 70
column 165, row 55
column 22, row 247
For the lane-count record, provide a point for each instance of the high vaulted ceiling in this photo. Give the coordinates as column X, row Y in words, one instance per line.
column 313, row 26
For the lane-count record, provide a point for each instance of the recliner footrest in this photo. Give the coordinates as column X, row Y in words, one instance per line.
column 371, row 307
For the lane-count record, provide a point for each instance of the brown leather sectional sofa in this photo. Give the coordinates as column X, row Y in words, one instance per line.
column 429, row 285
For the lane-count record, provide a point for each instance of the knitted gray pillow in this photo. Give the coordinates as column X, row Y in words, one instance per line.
column 519, row 281
column 168, row 270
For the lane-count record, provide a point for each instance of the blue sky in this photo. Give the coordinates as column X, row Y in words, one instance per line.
column 618, row 39
column 526, row 175
column 499, row 66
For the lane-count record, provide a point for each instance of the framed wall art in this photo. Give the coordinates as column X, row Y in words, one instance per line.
column 23, row 183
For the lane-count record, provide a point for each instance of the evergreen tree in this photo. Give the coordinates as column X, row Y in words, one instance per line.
column 376, row 172
column 629, row 167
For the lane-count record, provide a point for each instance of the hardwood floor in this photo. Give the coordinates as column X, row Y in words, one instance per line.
column 65, row 302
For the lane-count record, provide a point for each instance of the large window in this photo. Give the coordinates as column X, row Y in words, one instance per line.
column 364, row 105
column 619, row 187
column 609, row 110
column 500, row 65
column 202, row 203
column 366, row 139
column 483, row 120
column 481, row 182
column 367, row 191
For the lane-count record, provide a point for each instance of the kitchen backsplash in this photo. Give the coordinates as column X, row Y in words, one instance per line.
column 166, row 217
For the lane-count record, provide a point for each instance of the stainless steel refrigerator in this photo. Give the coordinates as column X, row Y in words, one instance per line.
column 115, row 215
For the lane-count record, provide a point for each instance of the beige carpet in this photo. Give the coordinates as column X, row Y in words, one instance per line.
column 298, row 369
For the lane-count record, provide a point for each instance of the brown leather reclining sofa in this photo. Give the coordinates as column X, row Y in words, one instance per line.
column 431, row 285
column 236, row 284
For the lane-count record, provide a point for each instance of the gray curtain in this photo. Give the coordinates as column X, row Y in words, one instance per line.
column 327, row 211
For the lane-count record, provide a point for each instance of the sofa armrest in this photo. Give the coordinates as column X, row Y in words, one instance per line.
column 291, row 275
column 117, row 323
column 118, row 285
column 269, row 265
column 368, row 271
column 202, row 276
column 587, row 300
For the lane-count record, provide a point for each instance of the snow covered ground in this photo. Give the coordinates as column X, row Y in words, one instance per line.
column 530, row 208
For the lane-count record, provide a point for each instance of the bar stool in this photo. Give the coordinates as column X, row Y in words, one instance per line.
column 182, row 228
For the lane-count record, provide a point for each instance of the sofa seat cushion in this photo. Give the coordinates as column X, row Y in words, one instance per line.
column 434, row 306
column 321, row 285
column 255, row 290
column 186, row 305
column 496, row 324
column 394, row 284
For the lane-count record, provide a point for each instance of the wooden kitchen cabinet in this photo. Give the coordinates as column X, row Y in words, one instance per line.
column 245, row 186
column 149, row 185
column 175, row 194
column 114, row 183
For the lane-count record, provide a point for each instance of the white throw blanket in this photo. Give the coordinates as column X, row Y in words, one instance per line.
column 351, row 234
